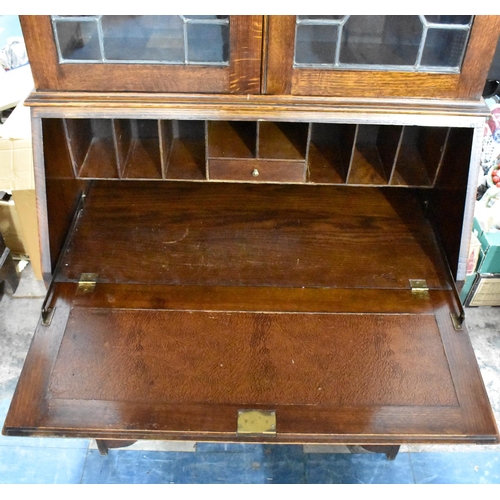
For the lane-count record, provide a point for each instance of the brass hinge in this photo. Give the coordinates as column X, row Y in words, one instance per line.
column 419, row 288
column 86, row 283
column 256, row 423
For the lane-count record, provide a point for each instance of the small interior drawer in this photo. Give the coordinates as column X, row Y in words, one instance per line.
column 257, row 170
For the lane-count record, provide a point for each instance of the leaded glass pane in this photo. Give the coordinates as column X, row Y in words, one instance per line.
column 316, row 44
column 444, row 47
column 78, row 40
column 381, row 40
column 449, row 19
column 401, row 43
column 208, row 42
column 141, row 39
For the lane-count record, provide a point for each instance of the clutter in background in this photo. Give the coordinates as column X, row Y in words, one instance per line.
column 18, row 217
column 488, row 194
column 13, row 55
column 482, row 283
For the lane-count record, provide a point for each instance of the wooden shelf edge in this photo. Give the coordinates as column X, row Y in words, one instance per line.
column 265, row 106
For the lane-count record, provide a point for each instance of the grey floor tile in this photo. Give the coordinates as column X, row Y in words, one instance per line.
column 228, row 448
column 483, row 324
column 325, row 448
column 255, row 464
column 285, row 464
column 154, row 445
column 40, row 465
column 282, row 464
column 29, row 286
column 369, row 468
column 227, row 468
column 129, row 467
column 18, row 319
column 456, row 468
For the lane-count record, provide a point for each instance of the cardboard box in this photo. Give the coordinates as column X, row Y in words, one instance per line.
column 490, row 246
column 16, row 165
column 489, row 261
column 482, row 288
column 18, row 217
column 466, row 288
column 473, row 256
column 485, row 291
column 474, row 259
column 11, row 229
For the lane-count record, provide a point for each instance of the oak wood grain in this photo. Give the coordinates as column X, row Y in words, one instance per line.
column 345, row 83
column 480, row 53
column 374, row 154
column 248, row 358
column 284, row 78
column 40, row 407
column 186, row 160
column 341, row 425
column 285, row 141
column 269, row 299
column 241, row 75
column 132, row 102
column 330, row 150
column 144, row 160
column 62, row 191
column 420, row 156
column 245, row 54
column 249, row 235
column 476, row 416
column 279, row 54
column 451, row 190
column 232, row 139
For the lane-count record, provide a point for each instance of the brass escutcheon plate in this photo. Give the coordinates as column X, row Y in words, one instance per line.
column 257, row 422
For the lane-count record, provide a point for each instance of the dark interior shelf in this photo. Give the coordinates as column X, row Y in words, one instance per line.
column 373, row 155
column 420, row 156
column 330, row 150
column 282, row 141
column 183, row 149
column 232, row 139
column 138, row 149
column 93, row 148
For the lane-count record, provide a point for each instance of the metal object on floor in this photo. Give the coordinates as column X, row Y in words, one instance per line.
column 8, row 271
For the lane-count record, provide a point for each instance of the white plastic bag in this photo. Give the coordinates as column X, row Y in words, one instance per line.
column 13, row 55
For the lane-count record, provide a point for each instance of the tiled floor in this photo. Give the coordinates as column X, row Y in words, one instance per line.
column 46, row 460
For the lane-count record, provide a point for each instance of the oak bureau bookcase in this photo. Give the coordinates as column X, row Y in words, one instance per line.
column 253, row 228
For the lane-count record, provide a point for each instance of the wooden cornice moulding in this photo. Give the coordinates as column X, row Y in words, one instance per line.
column 238, row 107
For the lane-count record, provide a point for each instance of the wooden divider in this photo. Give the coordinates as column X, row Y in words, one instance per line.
column 315, row 153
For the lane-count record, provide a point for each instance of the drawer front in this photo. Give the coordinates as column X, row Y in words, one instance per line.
column 257, row 170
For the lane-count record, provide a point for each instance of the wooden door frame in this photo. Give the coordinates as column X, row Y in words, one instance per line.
column 242, row 76
column 283, row 78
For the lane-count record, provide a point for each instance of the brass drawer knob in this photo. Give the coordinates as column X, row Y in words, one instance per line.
column 255, row 172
